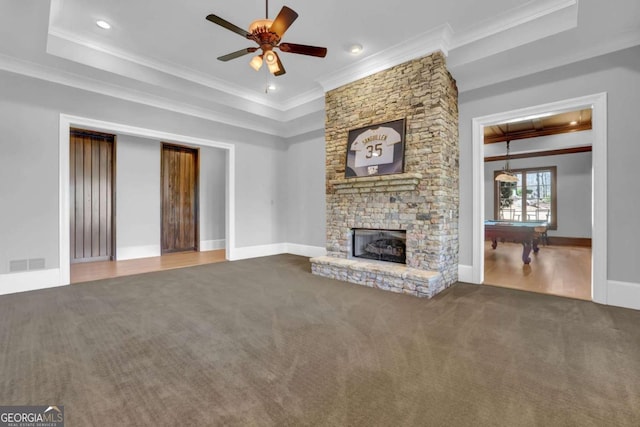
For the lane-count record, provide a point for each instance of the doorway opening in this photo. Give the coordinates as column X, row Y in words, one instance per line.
column 538, row 228
column 598, row 259
column 68, row 122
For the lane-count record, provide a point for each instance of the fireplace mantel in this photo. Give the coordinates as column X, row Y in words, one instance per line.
column 377, row 184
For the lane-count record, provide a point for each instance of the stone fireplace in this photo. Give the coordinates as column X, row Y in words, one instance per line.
column 422, row 201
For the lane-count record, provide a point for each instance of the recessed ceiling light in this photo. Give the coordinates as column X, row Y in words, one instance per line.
column 271, row 87
column 103, row 24
column 355, row 49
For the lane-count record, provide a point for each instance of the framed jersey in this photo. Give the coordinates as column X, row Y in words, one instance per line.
column 376, row 150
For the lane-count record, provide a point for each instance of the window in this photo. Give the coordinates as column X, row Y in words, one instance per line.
column 532, row 198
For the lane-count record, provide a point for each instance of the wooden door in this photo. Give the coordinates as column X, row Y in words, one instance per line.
column 179, row 187
column 91, row 195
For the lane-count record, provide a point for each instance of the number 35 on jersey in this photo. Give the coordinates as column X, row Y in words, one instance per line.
column 375, row 146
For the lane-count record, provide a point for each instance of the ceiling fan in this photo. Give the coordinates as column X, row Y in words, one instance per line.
column 267, row 34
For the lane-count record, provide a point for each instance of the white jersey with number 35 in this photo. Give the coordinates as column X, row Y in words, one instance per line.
column 375, row 146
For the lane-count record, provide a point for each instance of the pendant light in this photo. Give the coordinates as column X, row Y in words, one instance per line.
column 507, row 175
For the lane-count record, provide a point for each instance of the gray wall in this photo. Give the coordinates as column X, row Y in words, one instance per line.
column 618, row 74
column 28, row 180
column 260, row 213
column 137, row 195
column 212, row 193
column 138, row 207
column 30, row 112
column 573, row 182
column 306, row 193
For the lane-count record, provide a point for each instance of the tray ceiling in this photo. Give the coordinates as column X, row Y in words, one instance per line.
column 163, row 53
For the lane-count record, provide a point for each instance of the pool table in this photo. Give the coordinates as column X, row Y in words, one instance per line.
column 529, row 233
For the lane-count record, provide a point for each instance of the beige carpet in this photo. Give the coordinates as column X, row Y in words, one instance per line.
column 263, row 342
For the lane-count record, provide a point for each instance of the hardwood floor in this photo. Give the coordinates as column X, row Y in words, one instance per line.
column 85, row 272
column 556, row 270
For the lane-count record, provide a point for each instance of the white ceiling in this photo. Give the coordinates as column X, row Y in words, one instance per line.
column 163, row 52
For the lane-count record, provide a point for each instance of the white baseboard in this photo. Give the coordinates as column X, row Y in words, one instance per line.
column 29, row 281
column 465, row 273
column 275, row 249
column 623, row 294
column 135, row 252
column 257, row 251
column 305, row 250
column 212, row 245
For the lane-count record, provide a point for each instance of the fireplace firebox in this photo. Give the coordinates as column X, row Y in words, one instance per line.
column 381, row 245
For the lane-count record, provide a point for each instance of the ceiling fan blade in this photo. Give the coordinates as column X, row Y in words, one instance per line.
column 228, row 25
column 282, row 70
column 283, row 21
column 303, row 49
column 237, row 54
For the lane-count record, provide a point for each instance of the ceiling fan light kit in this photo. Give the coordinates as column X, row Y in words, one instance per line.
column 267, row 34
column 256, row 62
column 271, row 59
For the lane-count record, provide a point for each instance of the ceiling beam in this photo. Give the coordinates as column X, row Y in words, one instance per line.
column 532, row 133
column 538, row 124
column 583, row 149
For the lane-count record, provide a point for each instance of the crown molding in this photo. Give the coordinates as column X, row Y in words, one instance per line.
column 68, row 42
column 312, row 105
column 513, row 18
column 54, row 75
column 416, row 47
column 512, row 30
column 303, row 126
column 472, row 81
column 550, row 17
column 304, row 121
column 305, row 98
column 72, row 47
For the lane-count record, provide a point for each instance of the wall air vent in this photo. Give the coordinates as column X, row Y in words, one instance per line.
column 18, row 265
column 36, row 264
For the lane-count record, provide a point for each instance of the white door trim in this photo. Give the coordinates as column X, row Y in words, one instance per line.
column 598, row 102
column 68, row 121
